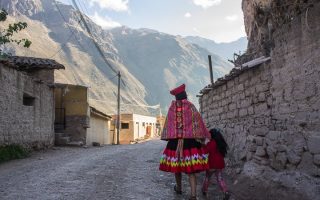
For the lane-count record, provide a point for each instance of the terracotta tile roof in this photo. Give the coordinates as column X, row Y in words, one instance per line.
column 97, row 112
column 31, row 63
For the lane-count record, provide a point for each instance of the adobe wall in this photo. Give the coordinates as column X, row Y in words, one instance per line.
column 30, row 126
column 270, row 113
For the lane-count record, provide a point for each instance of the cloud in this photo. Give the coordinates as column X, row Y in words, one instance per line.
column 196, row 30
column 116, row 5
column 232, row 18
column 187, row 15
column 206, row 3
column 104, row 22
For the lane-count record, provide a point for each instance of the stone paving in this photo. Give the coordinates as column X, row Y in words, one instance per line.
column 109, row 172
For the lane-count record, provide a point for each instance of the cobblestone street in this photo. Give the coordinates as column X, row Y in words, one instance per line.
column 110, row 172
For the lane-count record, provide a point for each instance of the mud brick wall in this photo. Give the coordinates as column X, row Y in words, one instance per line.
column 30, row 126
column 270, row 113
column 241, row 108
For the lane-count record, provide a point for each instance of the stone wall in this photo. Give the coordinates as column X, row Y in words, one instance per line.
column 26, row 109
column 270, row 113
column 241, row 108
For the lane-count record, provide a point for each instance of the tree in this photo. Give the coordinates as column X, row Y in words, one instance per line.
column 6, row 35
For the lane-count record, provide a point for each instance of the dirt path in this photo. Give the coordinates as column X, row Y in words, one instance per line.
column 110, row 172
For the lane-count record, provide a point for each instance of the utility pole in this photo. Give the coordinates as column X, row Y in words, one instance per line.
column 210, row 68
column 118, row 116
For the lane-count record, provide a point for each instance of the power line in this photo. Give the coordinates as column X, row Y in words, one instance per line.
column 131, row 104
column 92, row 37
column 65, row 20
column 53, row 55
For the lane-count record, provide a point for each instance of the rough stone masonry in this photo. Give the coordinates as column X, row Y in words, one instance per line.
column 270, row 113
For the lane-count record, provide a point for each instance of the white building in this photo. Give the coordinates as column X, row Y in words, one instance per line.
column 134, row 126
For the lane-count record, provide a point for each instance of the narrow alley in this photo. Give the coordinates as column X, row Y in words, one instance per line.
column 110, row 172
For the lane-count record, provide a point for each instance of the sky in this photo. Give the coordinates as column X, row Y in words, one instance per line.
column 218, row 20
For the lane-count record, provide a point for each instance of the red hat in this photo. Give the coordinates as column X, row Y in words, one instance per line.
column 178, row 90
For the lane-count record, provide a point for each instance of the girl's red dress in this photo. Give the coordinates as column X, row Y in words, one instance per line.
column 216, row 159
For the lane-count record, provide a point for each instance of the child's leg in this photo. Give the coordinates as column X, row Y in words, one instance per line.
column 206, row 181
column 220, row 180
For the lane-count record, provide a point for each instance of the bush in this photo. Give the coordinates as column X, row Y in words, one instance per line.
column 13, row 151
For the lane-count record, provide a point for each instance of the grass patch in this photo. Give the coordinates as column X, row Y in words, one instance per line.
column 13, row 151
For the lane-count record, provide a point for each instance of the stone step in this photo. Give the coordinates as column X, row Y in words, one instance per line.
column 62, row 140
column 75, row 143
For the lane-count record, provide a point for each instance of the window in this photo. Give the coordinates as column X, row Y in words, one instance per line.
column 143, row 123
column 124, row 125
column 28, row 100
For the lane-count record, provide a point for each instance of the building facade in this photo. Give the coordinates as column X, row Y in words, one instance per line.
column 134, row 127
column 76, row 122
column 27, row 101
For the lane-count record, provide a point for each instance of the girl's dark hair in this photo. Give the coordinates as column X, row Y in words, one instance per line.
column 181, row 96
column 221, row 143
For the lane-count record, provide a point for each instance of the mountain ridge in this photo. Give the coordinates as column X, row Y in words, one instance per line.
column 165, row 60
column 224, row 49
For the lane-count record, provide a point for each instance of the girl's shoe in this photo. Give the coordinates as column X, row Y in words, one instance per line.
column 226, row 196
column 176, row 190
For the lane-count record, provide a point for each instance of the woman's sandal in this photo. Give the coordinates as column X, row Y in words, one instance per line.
column 176, row 190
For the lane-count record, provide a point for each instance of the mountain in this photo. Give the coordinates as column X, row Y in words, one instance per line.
column 161, row 61
column 151, row 63
column 225, row 50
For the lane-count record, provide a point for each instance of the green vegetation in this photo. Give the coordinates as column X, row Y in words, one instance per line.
column 13, row 151
column 6, row 35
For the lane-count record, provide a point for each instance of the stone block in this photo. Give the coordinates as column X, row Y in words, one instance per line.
column 250, row 110
column 262, row 97
column 243, row 112
column 245, row 103
column 259, row 130
column 316, row 159
column 265, row 162
column 249, row 156
column 280, row 161
column 230, row 84
column 242, row 96
column 262, row 87
column 307, row 164
column 259, row 141
column 247, row 83
column 314, row 143
column 232, row 106
column 261, row 152
column 281, row 148
column 240, row 87
column 271, row 151
column 293, row 158
column 273, row 135
column 261, row 108
column 243, row 77
column 252, row 147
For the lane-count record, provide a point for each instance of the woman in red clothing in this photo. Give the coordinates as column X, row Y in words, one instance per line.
column 217, row 149
column 183, row 129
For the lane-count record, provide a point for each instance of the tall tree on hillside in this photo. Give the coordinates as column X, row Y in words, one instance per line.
column 6, row 35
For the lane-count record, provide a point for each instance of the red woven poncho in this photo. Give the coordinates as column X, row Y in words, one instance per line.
column 184, row 121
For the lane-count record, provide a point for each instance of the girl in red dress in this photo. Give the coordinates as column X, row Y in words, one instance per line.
column 217, row 149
